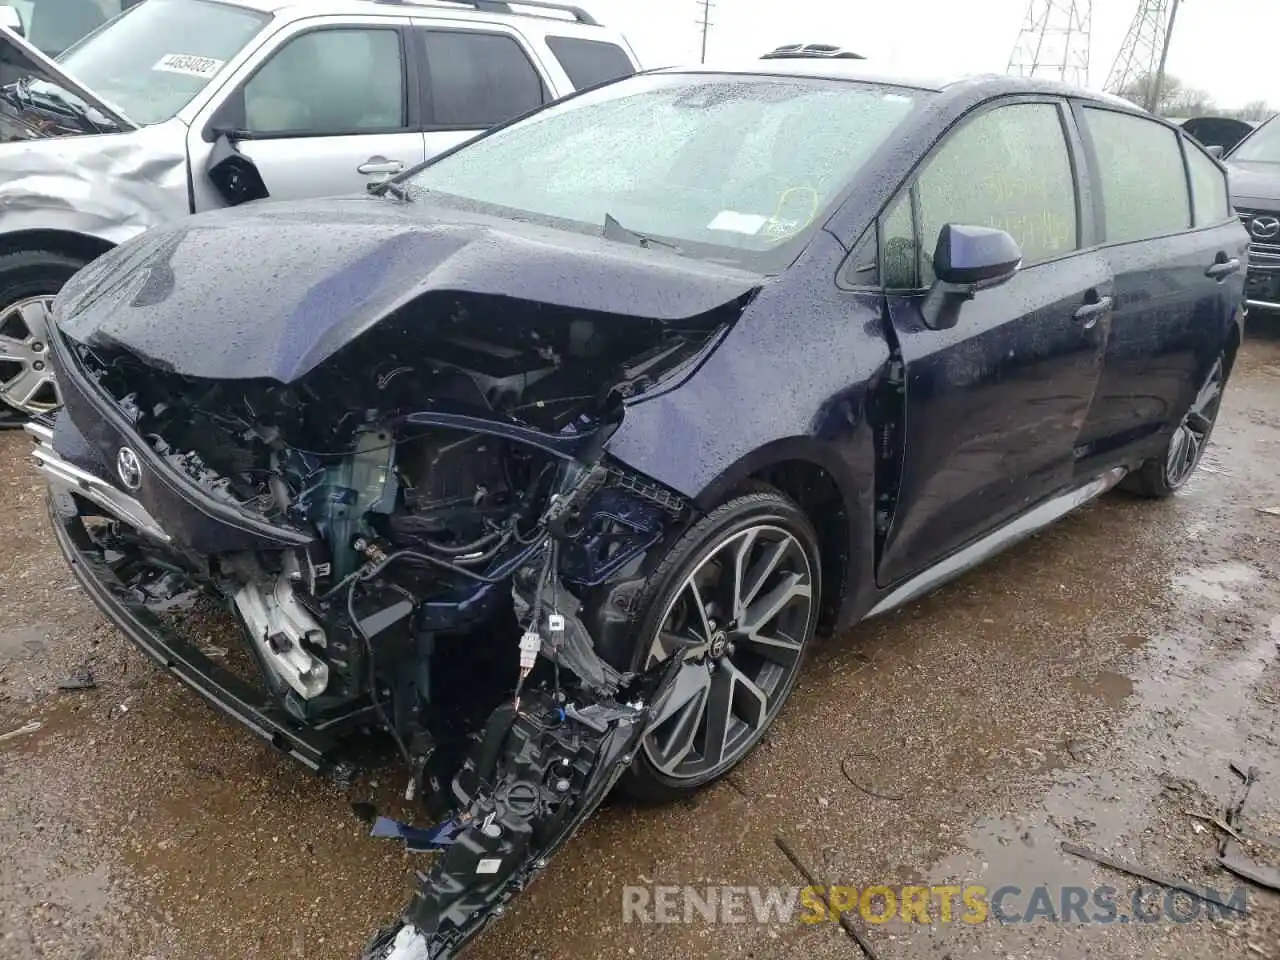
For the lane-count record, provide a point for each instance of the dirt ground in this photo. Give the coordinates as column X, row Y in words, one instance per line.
column 1092, row 685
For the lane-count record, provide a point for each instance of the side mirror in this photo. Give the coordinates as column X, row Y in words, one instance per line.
column 11, row 17
column 965, row 260
column 1214, row 151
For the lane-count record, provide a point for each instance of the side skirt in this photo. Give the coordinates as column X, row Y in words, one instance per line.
column 965, row 559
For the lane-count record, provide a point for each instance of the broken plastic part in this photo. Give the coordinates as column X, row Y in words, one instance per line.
column 533, row 779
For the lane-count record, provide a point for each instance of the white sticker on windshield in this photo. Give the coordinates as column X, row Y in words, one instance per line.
column 733, row 222
column 189, row 64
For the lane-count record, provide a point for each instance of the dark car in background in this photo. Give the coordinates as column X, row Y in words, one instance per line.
column 553, row 456
column 1219, row 134
column 1254, row 171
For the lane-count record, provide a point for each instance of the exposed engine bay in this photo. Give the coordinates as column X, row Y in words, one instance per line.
column 464, row 573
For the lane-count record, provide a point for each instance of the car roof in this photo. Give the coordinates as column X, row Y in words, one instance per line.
column 869, row 71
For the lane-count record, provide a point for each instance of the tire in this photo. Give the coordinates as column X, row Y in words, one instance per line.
column 1162, row 476
column 29, row 279
column 677, row 757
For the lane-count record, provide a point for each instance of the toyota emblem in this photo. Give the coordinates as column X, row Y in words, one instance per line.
column 129, row 468
column 1264, row 228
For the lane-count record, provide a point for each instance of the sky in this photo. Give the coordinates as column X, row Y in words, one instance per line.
column 938, row 38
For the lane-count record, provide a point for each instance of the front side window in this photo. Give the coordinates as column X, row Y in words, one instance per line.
column 1008, row 168
column 739, row 168
column 477, row 80
column 155, row 59
column 1144, row 181
column 1209, row 194
column 329, row 83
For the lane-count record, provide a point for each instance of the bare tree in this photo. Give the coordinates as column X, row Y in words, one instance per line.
column 1176, row 98
column 1255, row 110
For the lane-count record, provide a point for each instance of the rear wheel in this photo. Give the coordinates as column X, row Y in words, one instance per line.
column 736, row 600
column 29, row 280
column 1161, row 476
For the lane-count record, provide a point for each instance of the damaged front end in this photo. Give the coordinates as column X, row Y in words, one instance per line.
column 424, row 534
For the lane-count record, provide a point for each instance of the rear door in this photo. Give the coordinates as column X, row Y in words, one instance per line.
column 326, row 109
column 994, row 405
column 1177, row 265
column 473, row 77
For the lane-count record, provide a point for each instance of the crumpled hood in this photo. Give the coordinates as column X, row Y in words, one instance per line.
column 272, row 289
column 1253, row 183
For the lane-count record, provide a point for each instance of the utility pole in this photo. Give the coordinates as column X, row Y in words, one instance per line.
column 1145, row 51
column 704, row 22
column 1153, row 101
column 1054, row 41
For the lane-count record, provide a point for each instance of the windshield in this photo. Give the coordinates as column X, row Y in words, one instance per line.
column 732, row 168
column 1263, row 145
column 154, row 59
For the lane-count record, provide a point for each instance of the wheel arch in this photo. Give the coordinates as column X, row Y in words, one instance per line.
column 829, row 494
column 70, row 243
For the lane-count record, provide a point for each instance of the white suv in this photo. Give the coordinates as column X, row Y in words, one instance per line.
column 178, row 106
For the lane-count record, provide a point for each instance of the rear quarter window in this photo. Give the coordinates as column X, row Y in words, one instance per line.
column 589, row 62
column 1144, row 182
column 1209, row 196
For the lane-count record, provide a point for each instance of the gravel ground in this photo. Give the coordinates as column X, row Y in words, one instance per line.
column 1093, row 685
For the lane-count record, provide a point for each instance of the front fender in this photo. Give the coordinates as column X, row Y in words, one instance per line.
column 110, row 187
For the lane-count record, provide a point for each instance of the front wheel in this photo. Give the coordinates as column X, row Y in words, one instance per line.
column 1161, row 476
column 29, row 280
column 736, row 600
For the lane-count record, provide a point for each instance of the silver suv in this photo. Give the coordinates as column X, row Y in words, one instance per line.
column 179, row 106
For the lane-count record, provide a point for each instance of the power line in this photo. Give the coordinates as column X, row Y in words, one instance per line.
column 1054, row 41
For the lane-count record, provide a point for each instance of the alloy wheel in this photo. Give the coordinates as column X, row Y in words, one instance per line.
column 27, row 381
column 1188, row 441
column 739, row 622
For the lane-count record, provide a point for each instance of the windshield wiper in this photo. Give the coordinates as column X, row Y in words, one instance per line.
column 613, row 230
column 393, row 187
column 58, row 102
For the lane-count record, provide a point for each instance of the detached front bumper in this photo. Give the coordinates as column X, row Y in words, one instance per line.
column 71, row 492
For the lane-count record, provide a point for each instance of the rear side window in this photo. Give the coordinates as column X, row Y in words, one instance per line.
column 589, row 62
column 1208, row 188
column 1144, row 182
column 1007, row 168
column 475, row 80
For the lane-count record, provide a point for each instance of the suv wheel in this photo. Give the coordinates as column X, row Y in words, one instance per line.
column 736, row 600
column 29, row 280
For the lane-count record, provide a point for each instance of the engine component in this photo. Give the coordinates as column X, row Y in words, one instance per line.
column 282, row 629
column 356, row 485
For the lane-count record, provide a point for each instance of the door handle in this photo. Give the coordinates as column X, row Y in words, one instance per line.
column 380, row 165
column 1090, row 312
column 1223, row 269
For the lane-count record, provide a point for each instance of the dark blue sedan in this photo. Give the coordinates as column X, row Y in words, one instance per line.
column 551, row 458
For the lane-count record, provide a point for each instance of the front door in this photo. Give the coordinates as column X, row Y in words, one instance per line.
column 993, row 405
column 326, row 113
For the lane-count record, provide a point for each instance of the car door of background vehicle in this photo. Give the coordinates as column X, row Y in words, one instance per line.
column 1172, row 279
column 994, row 405
column 327, row 108
column 472, row 77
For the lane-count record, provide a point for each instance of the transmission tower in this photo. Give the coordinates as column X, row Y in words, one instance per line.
column 1054, row 41
column 1145, row 50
